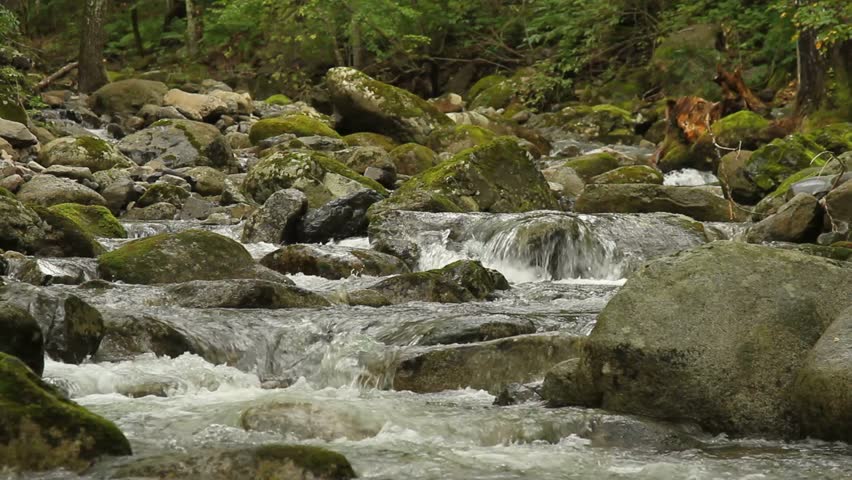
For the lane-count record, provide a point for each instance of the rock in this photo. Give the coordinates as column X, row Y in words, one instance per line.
column 458, row 282
column 237, row 103
column 163, row 193
column 238, row 140
column 278, row 99
column 727, row 362
column 195, row 106
column 731, row 174
column 242, row 294
column 180, row 143
column 37, row 230
column 208, row 180
column 497, row 177
column 633, row 174
column 94, row 220
column 79, row 174
column 267, row 461
column 196, row 208
column 120, row 193
column 128, row 96
column 306, row 421
column 360, row 159
column 492, row 91
column 448, row 103
column 699, row 203
column 744, row 129
column 21, row 337
column 48, row 190
column 459, row 329
column 341, row 218
column 411, row 158
column 515, row 394
column 364, row 102
column 153, row 113
column 332, row 262
column 453, row 139
column 21, row 229
column 799, row 220
column 369, row 139
column 44, row 431
column 55, row 271
column 566, row 178
column 297, row 124
column 836, row 138
column 568, row 384
column 838, row 206
column 16, row 134
column 822, row 404
column 320, row 177
column 90, row 152
column 771, row 164
column 175, row 258
column 12, row 183
column 594, row 164
column 276, row 221
column 487, row 366
column 604, row 123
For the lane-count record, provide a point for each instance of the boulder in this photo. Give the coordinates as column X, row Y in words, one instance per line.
column 727, row 362
column 744, row 129
column 633, row 174
column 237, row 103
column 180, row 143
column 497, row 177
column 731, row 174
column 157, row 211
column 195, row 106
column 320, row 177
column 21, row 337
column 799, row 220
column 179, row 257
column 163, row 193
column 458, row 282
column 43, row 431
column 128, row 96
column 360, row 159
column 38, row 231
column 120, row 193
column 276, row 221
column 332, row 262
column 299, row 125
column 459, row 329
column 453, row 139
column 208, row 180
column 604, row 123
column 370, row 139
column 365, row 102
column 21, row 229
column 341, row 218
column 242, row 294
column 836, row 138
column 48, row 190
column 79, row 174
column 771, row 164
column 153, row 113
column 838, row 206
column 411, row 158
column 94, row 220
column 700, row 203
column 90, row 152
column 16, row 134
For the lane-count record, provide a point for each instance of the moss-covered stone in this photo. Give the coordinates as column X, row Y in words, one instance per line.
column 128, row 96
column 49, row 190
column 298, row 125
column 771, row 164
column 41, row 430
column 454, row 139
column 412, row 158
column 458, row 282
column 631, row 174
column 95, row 220
column 180, row 257
column 605, row 123
column 332, row 262
column 499, row 95
column 369, row 139
column 278, row 99
column 697, row 202
column 320, row 177
column 21, row 229
column 744, row 129
column 180, row 143
column 836, row 138
column 594, row 164
column 21, row 336
column 483, row 84
column 63, row 237
column 243, row 293
column 163, row 192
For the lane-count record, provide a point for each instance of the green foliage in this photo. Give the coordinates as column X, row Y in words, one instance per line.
column 8, row 24
column 830, row 19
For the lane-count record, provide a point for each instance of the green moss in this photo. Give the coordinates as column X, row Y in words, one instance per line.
column 70, row 238
column 497, row 96
column 278, row 99
column 769, row 166
column 836, row 138
column 332, row 165
column 588, row 166
column 630, row 174
column 369, row 139
column 163, row 192
column 744, row 128
column 94, row 146
column 413, row 158
column 483, row 84
column 6, row 193
column 456, row 138
column 319, row 461
column 299, row 125
column 12, row 90
column 95, row 220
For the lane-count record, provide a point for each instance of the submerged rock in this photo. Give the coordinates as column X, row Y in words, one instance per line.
column 332, row 262
column 306, row 421
column 243, row 294
column 341, row 218
column 461, row 281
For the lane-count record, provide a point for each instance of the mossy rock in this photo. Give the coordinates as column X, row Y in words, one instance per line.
column 454, row 139
column 95, row 220
column 278, row 99
column 744, row 129
column 86, row 151
column 12, row 91
column 21, row 337
column 64, row 237
column 771, row 164
column 369, row 139
column 364, row 102
column 498, row 95
column 208, row 180
column 412, row 158
column 594, row 164
column 836, row 138
column 128, row 96
column 332, row 262
column 606, row 123
column 175, row 258
column 163, row 192
column 483, row 84
column 320, row 177
column 678, row 155
column 497, row 177
column 458, row 282
column 21, row 229
column 631, row 174
column 180, row 143
column 299, row 125
column 41, row 430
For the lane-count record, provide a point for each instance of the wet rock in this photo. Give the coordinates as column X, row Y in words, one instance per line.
column 297, row 124
column 728, row 362
column 37, row 230
column 44, row 431
column 411, row 158
column 180, row 257
column 63, row 237
column 799, row 220
column 771, row 164
column 16, row 134
column 163, row 192
column 457, row 329
column 365, row 102
column 275, row 222
column 86, row 151
column 267, row 461
column 208, row 180
column 516, row 393
column 21, row 229
column 838, row 206
column 152, row 113
column 55, row 271
column 195, row 106
column 306, row 421
column 128, row 335
column 47, row 190
column 488, row 366
column 95, row 220
column 128, row 96
column 633, row 174
column 461, row 281
column 453, row 139
column 594, row 164
column 243, row 294
column 341, row 218
column 157, row 211
column 332, row 262
column 120, row 193
column 20, row 336
column 699, row 203
column 320, row 177
column 180, row 143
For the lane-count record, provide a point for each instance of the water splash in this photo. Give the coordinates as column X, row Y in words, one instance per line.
column 689, row 177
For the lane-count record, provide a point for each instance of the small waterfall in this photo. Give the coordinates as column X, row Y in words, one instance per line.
column 689, row 177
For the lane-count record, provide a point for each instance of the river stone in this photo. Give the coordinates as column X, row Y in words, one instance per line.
column 157, row 211
column 94, row 220
column 47, row 190
column 364, row 102
column 341, row 218
column 43, row 431
column 770, row 165
column 275, row 222
column 120, row 193
column 838, row 206
column 458, row 282
column 320, row 177
column 453, row 139
column 631, row 174
column 86, row 151
column 799, row 220
column 128, row 335
column 180, row 143
column 79, row 174
column 208, row 180
column 152, row 113
column 297, row 124
column 236, row 103
column 727, row 362
column 497, row 177
column 64, row 237
column 128, row 96
column 38, row 231
column 21, row 229
column 731, row 174
column 362, row 158
column 411, row 158
column 243, row 294
column 16, row 134
column 459, row 329
column 20, row 336
column 306, row 421
column 370, row 139
column 487, row 366
column 821, row 392
column 699, row 203
column 163, row 192
column 195, row 106
column 178, row 257
column 332, row 262
column 264, row 462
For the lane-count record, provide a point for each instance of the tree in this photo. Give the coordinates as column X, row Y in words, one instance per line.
column 191, row 29
column 91, row 71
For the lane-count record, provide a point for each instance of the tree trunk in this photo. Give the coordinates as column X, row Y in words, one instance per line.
column 91, row 72
column 811, row 74
column 191, row 29
column 356, row 44
column 137, row 36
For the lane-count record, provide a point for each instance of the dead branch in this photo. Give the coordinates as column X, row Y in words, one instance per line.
column 55, row 76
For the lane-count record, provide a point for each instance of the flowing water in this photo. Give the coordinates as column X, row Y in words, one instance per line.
column 330, row 366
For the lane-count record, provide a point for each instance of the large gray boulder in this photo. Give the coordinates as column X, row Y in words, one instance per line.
column 341, row 218
column 275, row 222
column 128, row 96
column 180, row 143
column 699, row 203
column 47, row 190
column 332, row 262
column 16, row 134
column 799, row 220
column 86, row 151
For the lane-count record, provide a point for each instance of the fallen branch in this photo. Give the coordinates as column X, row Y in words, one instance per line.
column 55, row 76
